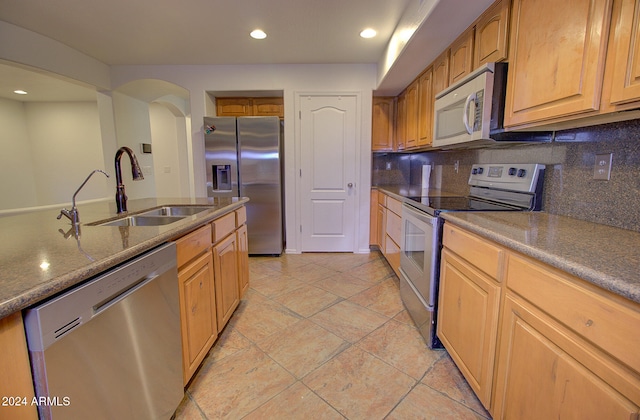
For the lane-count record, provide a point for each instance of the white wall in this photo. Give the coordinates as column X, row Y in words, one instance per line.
column 165, row 152
column 48, row 150
column 18, row 187
column 133, row 127
column 65, row 147
column 290, row 79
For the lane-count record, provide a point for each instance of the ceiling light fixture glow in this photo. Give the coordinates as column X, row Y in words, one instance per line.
column 258, row 34
column 20, row 92
column 368, row 33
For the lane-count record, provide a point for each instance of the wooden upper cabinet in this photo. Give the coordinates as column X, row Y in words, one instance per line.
column 441, row 73
column 233, row 107
column 426, row 101
column 383, row 127
column 267, row 107
column 247, row 107
column 623, row 63
column 461, row 56
column 411, row 120
column 401, row 121
column 555, row 67
column 492, row 34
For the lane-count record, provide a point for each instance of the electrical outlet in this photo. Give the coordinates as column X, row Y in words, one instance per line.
column 602, row 167
column 388, row 166
column 456, row 166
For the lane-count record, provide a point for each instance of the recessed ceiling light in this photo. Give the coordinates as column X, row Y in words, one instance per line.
column 20, row 92
column 258, row 34
column 368, row 33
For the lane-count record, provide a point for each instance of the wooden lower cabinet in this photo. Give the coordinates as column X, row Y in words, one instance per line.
column 225, row 262
column 243, row 260
column 15, row 381
column 469, row 302
column 388, row 227
column 213, row 273
column 198, row 312
column 468, row 322
column 373, row 218
column 535, row 342
column 540, row 378
column 392, row 233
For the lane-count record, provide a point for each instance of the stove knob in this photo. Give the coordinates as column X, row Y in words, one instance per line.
column 521, row 173
column 512, row 171
column 480, row 171
column 474, row 171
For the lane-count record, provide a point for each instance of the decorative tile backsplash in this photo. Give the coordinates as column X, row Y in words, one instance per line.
column 569, row 187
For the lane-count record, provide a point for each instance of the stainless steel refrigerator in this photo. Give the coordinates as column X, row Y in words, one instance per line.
column 244, row 159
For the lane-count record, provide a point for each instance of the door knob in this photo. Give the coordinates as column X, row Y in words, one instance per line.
column 350, row 184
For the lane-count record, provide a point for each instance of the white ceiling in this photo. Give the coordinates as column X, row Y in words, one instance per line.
column 209, row 32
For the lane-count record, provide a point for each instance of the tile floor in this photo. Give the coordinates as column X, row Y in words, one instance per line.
column 325, row 336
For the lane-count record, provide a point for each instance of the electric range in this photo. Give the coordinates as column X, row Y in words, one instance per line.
column 493, row 187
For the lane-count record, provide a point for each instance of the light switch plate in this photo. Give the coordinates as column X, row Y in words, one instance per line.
column 602, row 168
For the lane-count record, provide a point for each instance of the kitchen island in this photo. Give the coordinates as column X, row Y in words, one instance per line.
column 41, row 256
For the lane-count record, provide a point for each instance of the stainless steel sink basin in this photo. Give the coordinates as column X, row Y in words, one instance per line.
column 156, row 217
column 143, row 220
column 176, row 211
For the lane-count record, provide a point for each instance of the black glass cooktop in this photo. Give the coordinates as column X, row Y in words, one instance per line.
column 459, row 204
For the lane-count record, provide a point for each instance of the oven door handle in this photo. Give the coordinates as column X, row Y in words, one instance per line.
column 420, row 215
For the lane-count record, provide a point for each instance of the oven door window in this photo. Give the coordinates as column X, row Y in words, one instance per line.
column 414, row 244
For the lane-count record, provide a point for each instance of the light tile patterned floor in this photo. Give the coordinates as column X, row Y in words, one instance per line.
column 325, row 336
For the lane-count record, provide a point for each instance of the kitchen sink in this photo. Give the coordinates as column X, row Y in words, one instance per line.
column 143, row 220
column 155, row 217
column 176, row 211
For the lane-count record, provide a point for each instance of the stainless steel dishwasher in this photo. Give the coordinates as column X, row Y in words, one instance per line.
column 111, row 348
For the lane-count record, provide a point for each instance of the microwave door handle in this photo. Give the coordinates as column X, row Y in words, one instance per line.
column 465, row 114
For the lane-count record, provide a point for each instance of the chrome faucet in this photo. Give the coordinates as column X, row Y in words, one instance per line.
column 73, row 214
column 121, row 196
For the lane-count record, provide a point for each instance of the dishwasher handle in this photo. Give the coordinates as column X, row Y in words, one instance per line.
column 122, row 294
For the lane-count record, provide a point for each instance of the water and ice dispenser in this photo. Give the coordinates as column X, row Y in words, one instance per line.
column 221, row 177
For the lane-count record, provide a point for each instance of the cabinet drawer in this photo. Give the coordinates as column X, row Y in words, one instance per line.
column 193, row 244
column 478, row 251
column 241, row 216
column 594, row 314
column 394, row 205
column 394, row 227
column 223, row 226
column 382, row 199
column 392, row 253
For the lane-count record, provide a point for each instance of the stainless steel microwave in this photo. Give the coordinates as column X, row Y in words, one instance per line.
column 471, row 112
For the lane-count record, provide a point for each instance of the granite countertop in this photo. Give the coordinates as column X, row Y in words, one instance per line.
column 606, row 256
column 401, row 192
column 41, row 256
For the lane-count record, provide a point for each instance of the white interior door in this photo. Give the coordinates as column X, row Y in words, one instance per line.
column 328, row 126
